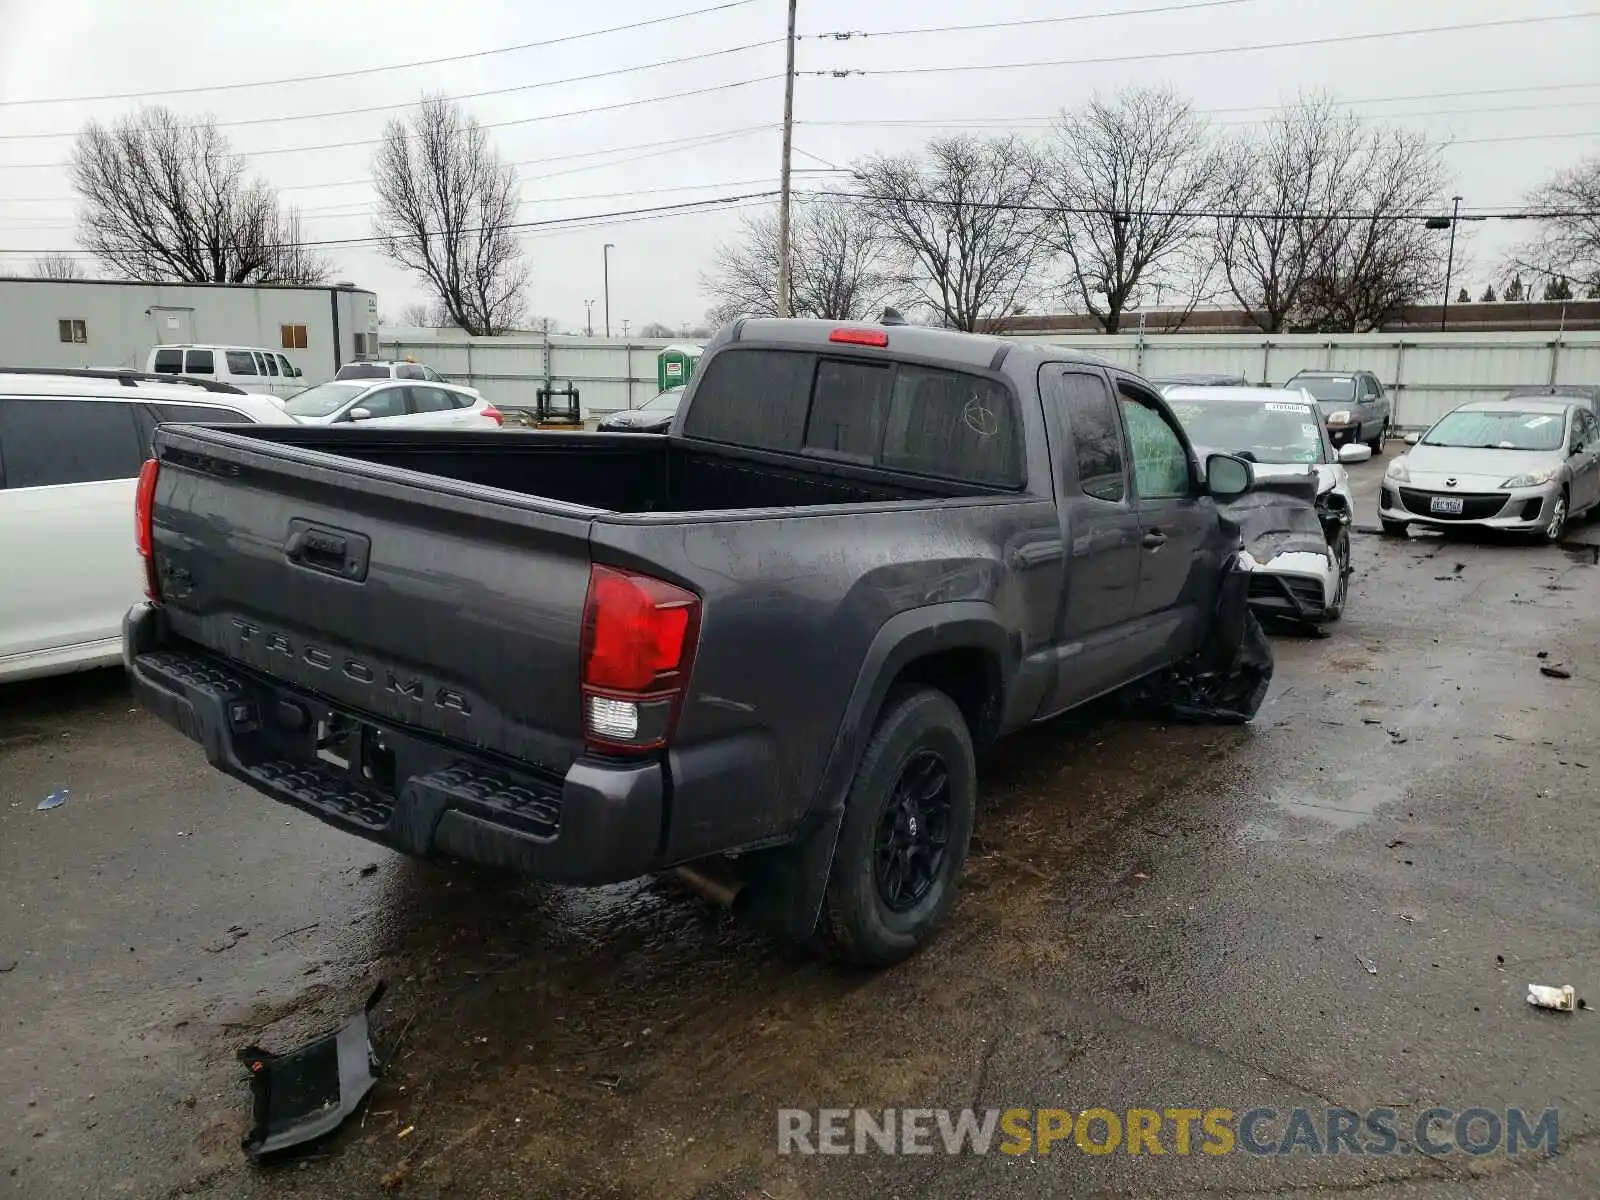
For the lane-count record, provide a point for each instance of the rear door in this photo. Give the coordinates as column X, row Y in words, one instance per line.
column 1177, row 528
column 1096, row 645
column 436, row 408
column 1585, row 461
column 244, row 371
column 68, row 471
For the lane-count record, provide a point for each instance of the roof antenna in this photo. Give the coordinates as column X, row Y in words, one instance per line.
column 891, row 316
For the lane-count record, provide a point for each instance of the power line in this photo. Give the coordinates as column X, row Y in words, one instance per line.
column 374, row 108
column 1152, row 56
column 406, row 66
column 844, row 35
column 577, row 112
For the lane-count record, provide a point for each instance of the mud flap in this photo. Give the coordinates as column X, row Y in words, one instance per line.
column 1226, row 680
column 309, row 1092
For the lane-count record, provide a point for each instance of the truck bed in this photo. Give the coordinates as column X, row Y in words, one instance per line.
column 616, row 473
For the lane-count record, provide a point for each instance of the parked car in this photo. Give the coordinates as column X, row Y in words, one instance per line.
column 1581, row 393
column 778, row 632
column 1527, row 466
column 394, row 369
column 392, row 402
column 248, row 368
column 1297, row 535
column 1353, row 404
column 71, row 445
column 653, row 416
column 1199, row 379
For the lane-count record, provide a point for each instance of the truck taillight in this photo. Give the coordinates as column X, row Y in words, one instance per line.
column 639, row 636
column 144, row 515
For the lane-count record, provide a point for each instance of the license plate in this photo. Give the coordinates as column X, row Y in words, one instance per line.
column 1445, row 504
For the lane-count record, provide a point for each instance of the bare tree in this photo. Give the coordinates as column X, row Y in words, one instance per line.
column 1126, row 180
column 837, row 268
column 169, row 200
column 447, row 209
column 1383, row 256
column 1566, row 245
column 962, row 225
column 58, row 266
column 655, row 329
column 420, row 315
column 1285, row 190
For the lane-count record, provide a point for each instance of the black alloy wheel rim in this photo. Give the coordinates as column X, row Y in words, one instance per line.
column 913, row 832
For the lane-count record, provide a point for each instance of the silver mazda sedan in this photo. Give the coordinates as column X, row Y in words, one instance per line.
column 1518, row 464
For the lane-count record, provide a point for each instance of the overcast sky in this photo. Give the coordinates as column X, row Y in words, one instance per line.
column 586, row 163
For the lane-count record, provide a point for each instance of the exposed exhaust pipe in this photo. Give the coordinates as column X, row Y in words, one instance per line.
column 717, row 891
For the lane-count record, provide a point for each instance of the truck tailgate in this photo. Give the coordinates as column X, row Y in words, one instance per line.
column 447, row 607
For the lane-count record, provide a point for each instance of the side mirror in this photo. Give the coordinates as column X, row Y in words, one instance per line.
column 360, row 414
column 1355, row 452
column 1227, row 476
column 297, row 372
column 1413, row 438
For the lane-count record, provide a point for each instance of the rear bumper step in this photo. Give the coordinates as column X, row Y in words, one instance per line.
column 600, row 823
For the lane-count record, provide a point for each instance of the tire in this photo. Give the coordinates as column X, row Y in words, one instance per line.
column 1377, row 443
column 1393, row 528
column 1341, row 557
column 864, row 920
column 1556, row 526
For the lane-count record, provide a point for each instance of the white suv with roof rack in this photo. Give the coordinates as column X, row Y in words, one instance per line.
column 71, row 446
column 248, row 368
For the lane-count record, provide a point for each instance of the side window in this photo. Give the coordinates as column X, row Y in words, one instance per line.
column 271, row 361
column 168, row 362
column 428, row 400
column 1085, row 404
column 199, row 414
column 286, row 367
column 199, row 362
column 1160, row 464
column 385, row 402
column 431, row 375
column 241, row 362
column 50, row 442
column 409, row 371
column 848, row 407
column 753, row 398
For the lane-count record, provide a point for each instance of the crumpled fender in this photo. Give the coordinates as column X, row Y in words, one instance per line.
column 1278, row 516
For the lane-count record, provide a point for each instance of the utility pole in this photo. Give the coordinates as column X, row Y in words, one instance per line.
column 606, row 255
column 783, row 199
column 1450, row 263
column 588, row 318
column 625, row 325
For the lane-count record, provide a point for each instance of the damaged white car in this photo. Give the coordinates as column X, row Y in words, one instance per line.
column 1295, row 525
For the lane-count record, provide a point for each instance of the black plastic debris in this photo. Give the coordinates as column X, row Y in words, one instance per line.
column 1555, row 672
column 308, row 1093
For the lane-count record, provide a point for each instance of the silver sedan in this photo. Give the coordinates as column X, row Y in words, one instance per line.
column 1517, row 464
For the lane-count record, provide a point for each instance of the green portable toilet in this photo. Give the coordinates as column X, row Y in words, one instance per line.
column 675, row 366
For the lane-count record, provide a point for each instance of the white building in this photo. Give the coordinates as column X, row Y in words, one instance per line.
column 108, row 323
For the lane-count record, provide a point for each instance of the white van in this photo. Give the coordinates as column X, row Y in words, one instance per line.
column 249, row 368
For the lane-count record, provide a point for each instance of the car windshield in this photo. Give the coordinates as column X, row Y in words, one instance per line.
column 363, row 371
column 1498, row 429
column 323, row 400
column 665, row 402
column 1328, row 389
column 1264, row 431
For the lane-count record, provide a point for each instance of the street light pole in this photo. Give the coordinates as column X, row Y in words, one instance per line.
column 1450, row 264
column 588, row 318
column 606, row 255
column 783, row 199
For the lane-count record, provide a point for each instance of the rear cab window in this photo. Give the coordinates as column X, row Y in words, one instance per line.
column 364, row 371
column 925, row 420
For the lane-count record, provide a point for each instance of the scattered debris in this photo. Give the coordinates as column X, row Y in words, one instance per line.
column 54, row 800
column 1371, row 721
column 9, row 964
column 228, row 940
column 1408, row 918
column 189, row 1101
column 1372, row 967
column 407, row 1131
column 1390, row 845
column 1544, row 654
column 1505, row 737
column 1397, row 738
column 1560, row 999
column 310, row 1091
column 1460, row 567
column 1140, row 875
column 1500, row 959
column 292, row 932
column 1555, row 672
column 369, row 869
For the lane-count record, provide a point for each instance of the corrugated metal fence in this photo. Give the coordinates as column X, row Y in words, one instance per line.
column 1426, row 374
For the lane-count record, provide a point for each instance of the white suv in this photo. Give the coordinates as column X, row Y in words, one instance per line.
column 71, row 445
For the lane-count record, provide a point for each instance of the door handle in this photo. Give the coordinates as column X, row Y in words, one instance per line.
column 1154, row 539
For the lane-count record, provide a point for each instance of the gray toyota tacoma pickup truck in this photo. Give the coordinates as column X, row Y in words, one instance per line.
column 773, row 638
